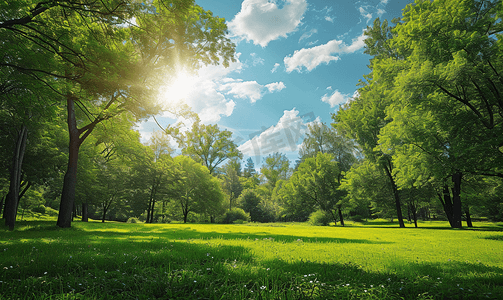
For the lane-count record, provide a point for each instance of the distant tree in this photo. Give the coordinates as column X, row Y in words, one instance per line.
column 249, row 169
column 196, row 190
column 275, row 166
column 316, row 184
column 206, row 144
column 251, row 202
column 230, row 181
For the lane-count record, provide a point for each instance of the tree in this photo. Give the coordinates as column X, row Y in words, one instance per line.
column 249, row 169
column 363, row 117
column 231, row 182
column 251, row 202
column 316, row 182
column 275, row 166
column 196, row 190
column 206, row 144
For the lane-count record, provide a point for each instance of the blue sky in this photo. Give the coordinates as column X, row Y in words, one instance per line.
column 297, row 61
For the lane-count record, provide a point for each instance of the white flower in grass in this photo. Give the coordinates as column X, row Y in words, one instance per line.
column 263, row 287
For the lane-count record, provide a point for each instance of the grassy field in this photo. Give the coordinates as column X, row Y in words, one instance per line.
column 250, row 261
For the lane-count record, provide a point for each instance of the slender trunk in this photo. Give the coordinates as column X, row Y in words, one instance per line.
column 104, row 214
column 85, row 217
column 394, row 188
column 456, row 200
column 74, row 212
column 1, row 204
column 70, row 179
column 333, row 216
column 12, row 198
column 468, row 218
column 447, row 204
column 414, row 214
column 340, row 217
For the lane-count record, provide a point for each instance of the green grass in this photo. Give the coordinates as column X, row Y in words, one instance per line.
column 250, row 261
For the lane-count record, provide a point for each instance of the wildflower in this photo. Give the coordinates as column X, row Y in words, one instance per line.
column 45, row 273
column 263, row 287
column 364, row 291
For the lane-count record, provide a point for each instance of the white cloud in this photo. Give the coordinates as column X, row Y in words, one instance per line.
column 285, row 136
column 276, row 66
column 251, row 90
column 329, row 19
column 336, row 98
column 262, row 21
column 365, row 14
column 256, row 60
column 329, row 88
column 275, row 86
column 310, row 58
column 243, row 89
column 308, row 34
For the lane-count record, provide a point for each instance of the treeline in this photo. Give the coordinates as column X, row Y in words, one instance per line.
column 422, row 138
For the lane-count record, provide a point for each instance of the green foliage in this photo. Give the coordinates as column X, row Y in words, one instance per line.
column 235, row 214
column 206, row 144
column 320, row 218
column 275, row 167
column 253, row 203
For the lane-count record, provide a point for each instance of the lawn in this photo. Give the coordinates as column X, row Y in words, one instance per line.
column 250, row 261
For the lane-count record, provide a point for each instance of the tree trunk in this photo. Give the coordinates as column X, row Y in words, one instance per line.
column 85, row 217
column 447, row 204
column 394, row 188
column 456, row 200
column 12, row 199
column 468, row 218
column 340, row 217
column 104, row 214
column 414, row 214
column 70, row 179
column 1, row 204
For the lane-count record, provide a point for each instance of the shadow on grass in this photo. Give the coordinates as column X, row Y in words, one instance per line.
column 114, row 267
column 104, row 231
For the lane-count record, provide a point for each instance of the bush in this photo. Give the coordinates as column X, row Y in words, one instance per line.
column 39, row 209
column 51, row 211
column 134, row 220
column 163, row 219
column 320, row 218
column 231, row 216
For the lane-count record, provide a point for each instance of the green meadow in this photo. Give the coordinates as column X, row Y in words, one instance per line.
column 250, row 261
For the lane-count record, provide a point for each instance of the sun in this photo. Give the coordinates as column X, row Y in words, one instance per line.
column 178, row 89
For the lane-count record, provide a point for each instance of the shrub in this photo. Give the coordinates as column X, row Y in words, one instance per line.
column 320, row 218
column 51, row 211
column 134, row 220
column 235, row 214
column 39, row 209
